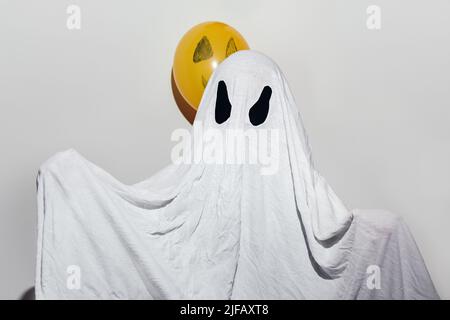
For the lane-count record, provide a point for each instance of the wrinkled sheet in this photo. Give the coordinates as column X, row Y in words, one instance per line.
column 220, row 231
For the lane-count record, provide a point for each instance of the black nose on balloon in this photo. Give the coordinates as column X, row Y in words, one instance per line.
column 223, row 105
column 258, row 113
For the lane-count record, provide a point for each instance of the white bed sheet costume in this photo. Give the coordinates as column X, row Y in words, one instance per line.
column 220, row 231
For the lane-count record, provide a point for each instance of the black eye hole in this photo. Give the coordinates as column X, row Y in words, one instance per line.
column 223, row 105
column 258, row 113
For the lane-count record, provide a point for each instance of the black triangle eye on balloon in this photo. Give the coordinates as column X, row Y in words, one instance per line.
column 257, row 114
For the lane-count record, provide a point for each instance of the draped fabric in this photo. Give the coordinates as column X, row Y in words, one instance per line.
column 270, row 229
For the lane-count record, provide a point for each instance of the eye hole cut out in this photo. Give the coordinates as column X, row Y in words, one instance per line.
column 223, row 105
column 258, row 113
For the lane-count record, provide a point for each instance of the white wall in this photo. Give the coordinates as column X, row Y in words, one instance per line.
column 376, row 103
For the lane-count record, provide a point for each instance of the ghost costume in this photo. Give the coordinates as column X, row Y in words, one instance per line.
column 221, row 230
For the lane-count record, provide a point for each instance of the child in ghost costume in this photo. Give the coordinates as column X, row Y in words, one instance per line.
column 218, row 230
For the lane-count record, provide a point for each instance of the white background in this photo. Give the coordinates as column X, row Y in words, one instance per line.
column 376, row 104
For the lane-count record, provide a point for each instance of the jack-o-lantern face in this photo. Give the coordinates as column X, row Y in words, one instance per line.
column 198, row 54
column 204, row 52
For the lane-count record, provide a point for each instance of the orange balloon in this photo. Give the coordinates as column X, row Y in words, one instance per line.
column 198, row 53
column 186, row 109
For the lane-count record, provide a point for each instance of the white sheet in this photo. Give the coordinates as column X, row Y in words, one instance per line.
column 220, row 231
